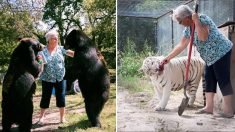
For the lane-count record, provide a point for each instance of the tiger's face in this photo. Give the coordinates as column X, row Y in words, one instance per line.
column 150, row 65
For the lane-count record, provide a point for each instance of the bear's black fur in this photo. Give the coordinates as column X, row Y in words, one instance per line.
column 19, row 85
column 91, row 72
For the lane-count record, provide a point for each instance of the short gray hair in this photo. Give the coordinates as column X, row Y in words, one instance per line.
column 51, row 33
column 181, row 12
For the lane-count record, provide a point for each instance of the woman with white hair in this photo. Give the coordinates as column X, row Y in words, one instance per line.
column 52, row 58
column 215, row 50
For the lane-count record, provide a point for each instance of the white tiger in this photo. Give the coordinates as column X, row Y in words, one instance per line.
column 173, row 77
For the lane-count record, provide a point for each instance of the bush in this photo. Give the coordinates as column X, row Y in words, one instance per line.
column 129, row 61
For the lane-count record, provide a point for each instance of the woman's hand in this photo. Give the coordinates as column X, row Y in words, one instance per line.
column 163, row 62
column 202, row 30
column 195, row 18
column 39, row 59
column 70, row 53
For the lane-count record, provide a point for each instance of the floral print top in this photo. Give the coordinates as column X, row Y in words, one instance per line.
column 216, row 45
column 54, row 69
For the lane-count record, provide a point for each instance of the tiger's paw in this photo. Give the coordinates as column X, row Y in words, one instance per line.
column 160, row 109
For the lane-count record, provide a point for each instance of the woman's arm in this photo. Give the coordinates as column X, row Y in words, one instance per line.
column 202, row 30
column 70, row 53
column 178, row 49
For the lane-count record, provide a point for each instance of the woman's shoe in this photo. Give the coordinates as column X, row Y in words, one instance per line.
column 203, row 111
column 223, row 115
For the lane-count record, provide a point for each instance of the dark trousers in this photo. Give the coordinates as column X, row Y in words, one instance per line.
column 47, row 88
column 219, row 72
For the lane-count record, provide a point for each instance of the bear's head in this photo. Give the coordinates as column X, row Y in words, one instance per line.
column 23, row 61
column 29, row 43
column 76, row 39
column 25, row 53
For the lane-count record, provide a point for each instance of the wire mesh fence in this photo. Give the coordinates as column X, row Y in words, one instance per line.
column 156, row 27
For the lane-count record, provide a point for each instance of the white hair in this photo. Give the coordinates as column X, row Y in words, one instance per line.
column 181, row 12
column 51, row 33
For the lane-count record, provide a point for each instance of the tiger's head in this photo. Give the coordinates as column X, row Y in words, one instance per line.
column 151, row 64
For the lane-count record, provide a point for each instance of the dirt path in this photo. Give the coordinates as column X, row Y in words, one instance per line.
column 51, row 122
column 135, row 113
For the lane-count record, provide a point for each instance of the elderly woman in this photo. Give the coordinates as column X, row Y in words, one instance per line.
column 215, row 50
column 52, row 75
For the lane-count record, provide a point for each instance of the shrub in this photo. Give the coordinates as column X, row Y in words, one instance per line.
column 129, row 61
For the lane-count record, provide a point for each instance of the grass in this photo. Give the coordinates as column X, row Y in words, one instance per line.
column 78, row 122
column 112, row 72
column 135, row 84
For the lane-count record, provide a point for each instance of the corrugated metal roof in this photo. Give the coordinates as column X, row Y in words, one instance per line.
column 146, row 8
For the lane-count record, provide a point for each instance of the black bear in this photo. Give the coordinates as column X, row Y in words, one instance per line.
column 91, row 71
column 19, row 85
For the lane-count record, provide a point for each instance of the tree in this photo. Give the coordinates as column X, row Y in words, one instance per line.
column 101, row 25
column 95, row 17
column 62, row 14
column 13, row 24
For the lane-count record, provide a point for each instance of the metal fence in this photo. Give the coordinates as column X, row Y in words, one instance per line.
column 168, row 32
column 161, row 32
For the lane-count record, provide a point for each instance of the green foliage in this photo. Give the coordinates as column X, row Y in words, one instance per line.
column 135, row 84
column 63, row 14
column 40, row 35
column 102, row 27
column 99, row 22
column 130, row 61
column 12, row 25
